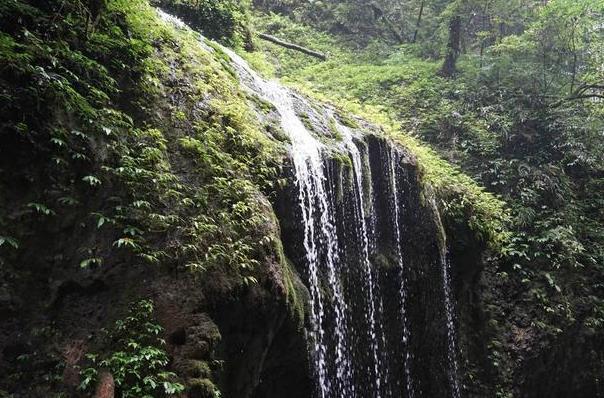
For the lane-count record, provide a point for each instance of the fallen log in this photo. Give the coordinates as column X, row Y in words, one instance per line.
column 293, row 46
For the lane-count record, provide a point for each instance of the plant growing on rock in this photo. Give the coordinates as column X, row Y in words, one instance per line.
column 138, row 360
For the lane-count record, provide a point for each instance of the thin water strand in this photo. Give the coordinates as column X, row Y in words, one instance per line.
column 357, row 167
column 451, row 332
column 445, row 268
column 393, row 160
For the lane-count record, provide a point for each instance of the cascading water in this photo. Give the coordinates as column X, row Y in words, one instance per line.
column 320, row 238
column 357, row 347
column 393, row 162
column 451, row 333
column 357, row 169
column 445, row 269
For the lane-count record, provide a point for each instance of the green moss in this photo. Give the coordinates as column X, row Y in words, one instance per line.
column 343, row 159
column 202, row 388
column 333, row 128
column 198, row 369
column 262, row 104
column 275, row 130
column 308, row 124
column 384, row 261
column 138, row 152
column 348, row 121
column 141, row 140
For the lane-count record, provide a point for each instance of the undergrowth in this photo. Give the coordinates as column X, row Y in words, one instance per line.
column 136, row 360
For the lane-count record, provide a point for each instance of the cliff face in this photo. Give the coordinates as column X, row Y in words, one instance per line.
column 410, row 337
column 287, row 248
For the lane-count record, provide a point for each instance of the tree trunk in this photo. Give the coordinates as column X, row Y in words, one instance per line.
column 419, row 21
column 449, row 67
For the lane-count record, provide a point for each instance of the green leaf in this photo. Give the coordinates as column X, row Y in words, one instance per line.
column 92, row 181
column 126, row 243
column 91, row 261
column 58, row 142
column 9, row 241
column 40, row 208
column 68, row 201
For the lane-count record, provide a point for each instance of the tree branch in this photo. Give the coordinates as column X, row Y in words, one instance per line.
column 293, row 46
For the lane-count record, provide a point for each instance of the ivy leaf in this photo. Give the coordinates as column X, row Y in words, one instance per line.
column 40, row 208
column 9, row 241
column 92, row 180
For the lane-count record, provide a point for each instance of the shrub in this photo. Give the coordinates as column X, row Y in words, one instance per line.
column 138, row 362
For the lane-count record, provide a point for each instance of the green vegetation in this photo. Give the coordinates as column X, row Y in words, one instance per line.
column 138, row 360
column 359, row 83
column 124, row 142
column 87, row 141
column 125, row 129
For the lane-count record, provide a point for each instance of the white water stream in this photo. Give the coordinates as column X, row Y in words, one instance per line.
column 393, row 164
column 357, row 168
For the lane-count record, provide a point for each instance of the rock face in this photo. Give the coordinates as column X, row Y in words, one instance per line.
column 68, row 280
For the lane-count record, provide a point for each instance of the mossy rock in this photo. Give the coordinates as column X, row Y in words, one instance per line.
column 348, row 121
column 198, row 369
column 202, row 388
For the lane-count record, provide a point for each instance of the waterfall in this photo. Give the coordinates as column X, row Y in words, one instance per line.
column 361, row 224
column 445, row 269
column 359, row 332
column 393, row 162
column 451, row 333
column 320, row 237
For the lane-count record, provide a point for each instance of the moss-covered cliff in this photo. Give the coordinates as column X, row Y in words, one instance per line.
column 132, row 167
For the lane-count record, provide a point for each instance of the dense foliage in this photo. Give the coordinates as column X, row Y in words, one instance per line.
column 86, row 139
column 121, row 142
